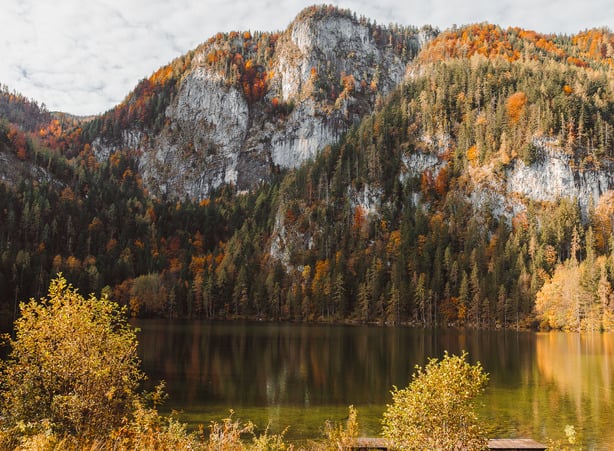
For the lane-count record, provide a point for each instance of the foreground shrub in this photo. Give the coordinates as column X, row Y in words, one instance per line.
column 342, row 436
column 436, row 411
column 73, row 368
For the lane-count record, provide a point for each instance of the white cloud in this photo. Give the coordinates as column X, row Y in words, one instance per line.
column 84, row 57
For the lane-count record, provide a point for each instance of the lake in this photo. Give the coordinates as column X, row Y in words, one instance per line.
column 301, row 375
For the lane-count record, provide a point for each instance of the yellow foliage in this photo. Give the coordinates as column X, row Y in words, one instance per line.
column 394, row 242
column 73, row 365
column 342, row 436
column 603, row 220
column 436, row 410
column 472, row 153
column 568, row 302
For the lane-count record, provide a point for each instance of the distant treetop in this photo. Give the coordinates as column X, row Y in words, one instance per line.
column 584, row 49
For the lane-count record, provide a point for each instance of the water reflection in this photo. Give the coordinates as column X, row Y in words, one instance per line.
column 303, row 374
column 264, row 365
column 580, row 367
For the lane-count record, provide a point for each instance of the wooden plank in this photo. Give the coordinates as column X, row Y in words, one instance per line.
column 515, row 444
column 365, row 443
column 507, row 444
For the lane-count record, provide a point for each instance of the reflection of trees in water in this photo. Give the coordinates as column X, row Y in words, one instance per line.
column 581, row 368
column 538, row 382
column 291, row 364
column 581, row 365
column 278, row 364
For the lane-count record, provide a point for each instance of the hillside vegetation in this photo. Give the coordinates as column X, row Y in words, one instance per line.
column 464, row 198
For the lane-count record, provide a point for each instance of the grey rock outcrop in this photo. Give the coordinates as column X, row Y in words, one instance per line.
column 554, row 175
column 213, row 135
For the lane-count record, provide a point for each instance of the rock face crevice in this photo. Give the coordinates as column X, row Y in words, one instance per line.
column 329, row 70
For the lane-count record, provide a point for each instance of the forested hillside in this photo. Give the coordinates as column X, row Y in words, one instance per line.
column 477, row 193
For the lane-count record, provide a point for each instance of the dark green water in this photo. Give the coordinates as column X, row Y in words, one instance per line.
column 301, row 375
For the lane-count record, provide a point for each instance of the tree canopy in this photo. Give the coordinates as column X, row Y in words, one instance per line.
column 437, row 411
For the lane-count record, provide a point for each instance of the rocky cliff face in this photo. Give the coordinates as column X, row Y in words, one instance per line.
column 208, row 123
column 312, row 50
column 555, row 175
column 552, row 176
column 13, row 171
column 328, row 70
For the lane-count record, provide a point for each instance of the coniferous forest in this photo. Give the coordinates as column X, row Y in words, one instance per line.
column 389, row 225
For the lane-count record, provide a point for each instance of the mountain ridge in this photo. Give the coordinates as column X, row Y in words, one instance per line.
column 273, row 176
column 280, row 97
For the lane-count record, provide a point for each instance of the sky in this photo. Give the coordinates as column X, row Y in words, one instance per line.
column 84, row 56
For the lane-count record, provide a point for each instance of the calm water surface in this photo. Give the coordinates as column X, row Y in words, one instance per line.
column 301, row 375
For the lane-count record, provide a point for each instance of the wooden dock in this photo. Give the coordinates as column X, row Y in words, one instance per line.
column 500, row 444
column 367, row 443
column 515, row 444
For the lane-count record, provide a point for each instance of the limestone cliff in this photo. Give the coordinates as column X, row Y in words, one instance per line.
column 554, row 174
column 327, row 70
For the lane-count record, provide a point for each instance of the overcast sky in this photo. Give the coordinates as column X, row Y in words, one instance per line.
column 84, row 56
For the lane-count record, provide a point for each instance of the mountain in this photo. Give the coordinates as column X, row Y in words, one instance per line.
column 335, row 171
column 243, row 105
column 486, row 174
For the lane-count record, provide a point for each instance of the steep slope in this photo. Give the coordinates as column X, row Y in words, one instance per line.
column 25, row 128
column 242, row 105
column 22, row 112
column 457, row 198
column 461, row 196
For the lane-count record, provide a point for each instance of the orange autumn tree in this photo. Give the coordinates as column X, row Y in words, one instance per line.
column 515, row 106
column 253, row 81
column 18, row 139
